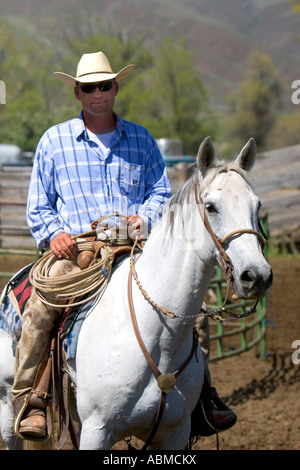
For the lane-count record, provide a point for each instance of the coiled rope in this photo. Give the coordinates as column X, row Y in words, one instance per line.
column 56, row 291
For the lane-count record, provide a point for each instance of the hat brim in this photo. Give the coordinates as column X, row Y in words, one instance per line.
column 94, row 77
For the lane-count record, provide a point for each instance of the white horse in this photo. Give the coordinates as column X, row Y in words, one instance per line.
column 118, row 393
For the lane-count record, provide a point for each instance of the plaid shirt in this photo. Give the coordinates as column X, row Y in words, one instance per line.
column 73, row 183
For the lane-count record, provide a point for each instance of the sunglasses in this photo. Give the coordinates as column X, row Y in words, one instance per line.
column 91, row 87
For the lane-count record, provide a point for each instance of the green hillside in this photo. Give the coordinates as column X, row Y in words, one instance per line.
column 221, row 33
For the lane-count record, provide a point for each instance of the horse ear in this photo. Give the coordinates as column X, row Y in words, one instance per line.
column 246, row 158
column 206, row 155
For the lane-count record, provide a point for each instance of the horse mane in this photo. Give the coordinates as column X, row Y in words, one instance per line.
column 185, row 194
column 220, row 166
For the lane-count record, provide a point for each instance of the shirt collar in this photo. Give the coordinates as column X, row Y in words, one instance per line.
column 80, row 130
column 120, row 128
column 79, row 127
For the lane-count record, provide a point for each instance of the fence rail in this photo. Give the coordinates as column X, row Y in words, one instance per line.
column 14, row 232
column 237, row 336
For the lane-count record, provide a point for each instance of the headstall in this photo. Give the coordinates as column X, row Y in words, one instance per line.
column 226, row 261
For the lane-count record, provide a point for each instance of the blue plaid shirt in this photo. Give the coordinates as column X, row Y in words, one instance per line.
column 73, row 183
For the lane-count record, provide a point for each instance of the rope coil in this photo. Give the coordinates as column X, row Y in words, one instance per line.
column 56, row 291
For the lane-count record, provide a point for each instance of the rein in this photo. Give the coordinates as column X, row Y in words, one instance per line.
column 165, row 382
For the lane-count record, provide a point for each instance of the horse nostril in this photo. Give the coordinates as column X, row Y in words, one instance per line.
column 251, row 279
column 248, row 276
column 270, row 279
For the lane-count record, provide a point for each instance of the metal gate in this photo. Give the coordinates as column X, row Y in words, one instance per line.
column 237, row 336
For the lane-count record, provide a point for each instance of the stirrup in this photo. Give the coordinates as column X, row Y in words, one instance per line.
column 202, row 422
column 19, row 418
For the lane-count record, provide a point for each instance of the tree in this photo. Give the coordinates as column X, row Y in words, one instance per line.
column 254, row 103
column 295, row 5
column 25, row 69
column 165, row 92
column 285, row 131
column 169, row 97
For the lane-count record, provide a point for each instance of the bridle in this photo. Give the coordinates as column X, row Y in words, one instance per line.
column 225, row 260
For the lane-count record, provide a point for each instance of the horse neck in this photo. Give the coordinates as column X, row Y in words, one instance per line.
column 176, row 279
column 178, row 268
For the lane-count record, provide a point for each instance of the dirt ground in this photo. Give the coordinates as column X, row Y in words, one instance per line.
column 264, row 393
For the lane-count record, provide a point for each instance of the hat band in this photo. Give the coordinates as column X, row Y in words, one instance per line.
column 92, row 73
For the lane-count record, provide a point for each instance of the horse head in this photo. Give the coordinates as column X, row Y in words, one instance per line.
column 231, row 216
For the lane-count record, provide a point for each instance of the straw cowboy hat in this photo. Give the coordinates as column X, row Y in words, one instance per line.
column 93, row 68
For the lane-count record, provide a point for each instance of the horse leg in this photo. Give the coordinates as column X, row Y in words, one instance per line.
column 6, row 426
column 6, row 379
column 176, row 439
column 93, row 436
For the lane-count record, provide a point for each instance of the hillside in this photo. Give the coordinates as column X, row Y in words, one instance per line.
column 221, row 33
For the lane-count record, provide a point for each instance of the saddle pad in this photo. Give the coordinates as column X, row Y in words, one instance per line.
column 13, row 301
column 10, row 320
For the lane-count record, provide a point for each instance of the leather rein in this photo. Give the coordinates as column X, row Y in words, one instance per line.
column 166, row 382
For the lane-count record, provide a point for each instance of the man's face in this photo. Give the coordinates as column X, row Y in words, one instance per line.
column 97, row 99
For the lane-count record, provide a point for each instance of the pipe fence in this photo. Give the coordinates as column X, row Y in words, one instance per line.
column 237, row 336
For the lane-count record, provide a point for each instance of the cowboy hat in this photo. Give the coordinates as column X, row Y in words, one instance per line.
column 93, row 68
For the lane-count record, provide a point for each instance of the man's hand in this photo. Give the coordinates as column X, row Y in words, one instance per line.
column 63, row 246
column 137, row 227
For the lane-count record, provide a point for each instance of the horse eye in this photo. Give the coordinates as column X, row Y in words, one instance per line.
column 210, row 208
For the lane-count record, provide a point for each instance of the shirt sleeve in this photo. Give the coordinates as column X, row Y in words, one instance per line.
column 41, row 214
column 157, row 190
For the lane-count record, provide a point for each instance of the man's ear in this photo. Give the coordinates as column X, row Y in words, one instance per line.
column 116, row 88
column 76, row 92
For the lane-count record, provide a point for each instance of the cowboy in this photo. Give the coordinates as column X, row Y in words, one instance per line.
column 91, row 166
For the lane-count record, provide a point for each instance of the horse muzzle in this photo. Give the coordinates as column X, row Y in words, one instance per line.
column 251, row 284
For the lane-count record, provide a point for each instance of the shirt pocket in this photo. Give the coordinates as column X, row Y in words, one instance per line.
column 132, row 180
